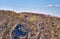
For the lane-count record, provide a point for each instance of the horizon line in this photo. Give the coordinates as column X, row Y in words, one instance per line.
column 36, row 12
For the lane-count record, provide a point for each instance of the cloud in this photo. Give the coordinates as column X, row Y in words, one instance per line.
column 53, row 5
column 57, row 5
column 50, row 5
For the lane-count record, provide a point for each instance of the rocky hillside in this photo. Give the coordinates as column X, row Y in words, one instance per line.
column 26, row 25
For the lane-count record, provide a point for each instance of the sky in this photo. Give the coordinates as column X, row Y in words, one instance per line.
column 51, row 7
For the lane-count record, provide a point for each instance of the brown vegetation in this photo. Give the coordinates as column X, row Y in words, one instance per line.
column 39, row 26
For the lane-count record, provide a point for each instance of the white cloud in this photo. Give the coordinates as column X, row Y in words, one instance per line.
column 57, row 5
column 53, row 5
column 50, row 5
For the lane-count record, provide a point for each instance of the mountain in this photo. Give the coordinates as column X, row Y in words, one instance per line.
column 28, row 25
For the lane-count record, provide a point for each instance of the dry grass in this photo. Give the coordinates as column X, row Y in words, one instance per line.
column 39, row 26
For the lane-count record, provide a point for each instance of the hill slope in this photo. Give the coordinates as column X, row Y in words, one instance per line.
column 38, row 26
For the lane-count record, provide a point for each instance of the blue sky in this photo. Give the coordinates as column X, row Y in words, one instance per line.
column 45, row 6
